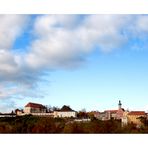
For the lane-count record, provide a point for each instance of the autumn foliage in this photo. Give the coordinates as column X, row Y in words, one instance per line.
column 32, row 124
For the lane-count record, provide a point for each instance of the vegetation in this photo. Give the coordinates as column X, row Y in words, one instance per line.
column 33, row 124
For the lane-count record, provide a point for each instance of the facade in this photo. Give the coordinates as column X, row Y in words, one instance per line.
column 43, row 114
column 63, row 114
column 34, row 108
column 19, row 112
column 40, row 110
column 94, row 114
column 124, row 118
column 119, row 114
column 120, row 111
column 113, row 114
column 103, row 116
column 65, row 111
column 134, row 117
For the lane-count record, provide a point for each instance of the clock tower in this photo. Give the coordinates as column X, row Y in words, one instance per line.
column 119, row 105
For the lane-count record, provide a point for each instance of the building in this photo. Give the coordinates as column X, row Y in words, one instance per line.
column 19, row 112
column 133, row 117
column 120, row 111
column 93, row 114
column 103, row 116
column 124, row 119
column 34, row 108
column 114, row 114
column 65, row 111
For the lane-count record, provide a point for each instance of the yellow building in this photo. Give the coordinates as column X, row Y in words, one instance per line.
column 134, row 117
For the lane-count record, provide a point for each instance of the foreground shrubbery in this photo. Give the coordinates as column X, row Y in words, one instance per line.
column 32, row 124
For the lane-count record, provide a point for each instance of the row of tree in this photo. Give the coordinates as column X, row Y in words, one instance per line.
column 32, row 124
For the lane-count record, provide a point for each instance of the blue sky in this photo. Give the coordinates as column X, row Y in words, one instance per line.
column 104, row 81
column 85, row 61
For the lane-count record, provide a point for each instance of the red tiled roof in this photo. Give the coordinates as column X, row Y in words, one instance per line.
column 111, row 111
column 136, row 113
column 34, row 105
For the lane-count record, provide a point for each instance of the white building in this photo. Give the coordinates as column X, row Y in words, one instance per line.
column 65, row 111
column 63, row 114
column 40, row 110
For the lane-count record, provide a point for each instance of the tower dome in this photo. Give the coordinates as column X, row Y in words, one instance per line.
column 119, row 105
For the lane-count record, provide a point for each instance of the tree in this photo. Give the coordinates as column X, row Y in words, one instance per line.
column 143, row 120
column 55, row 108
column 83, row 110
column 82, row 114
column 49, row 108
column 12, row 112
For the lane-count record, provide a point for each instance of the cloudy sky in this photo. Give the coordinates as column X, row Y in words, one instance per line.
column 85, row 61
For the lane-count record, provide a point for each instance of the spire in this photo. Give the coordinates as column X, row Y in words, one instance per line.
column 119, row 105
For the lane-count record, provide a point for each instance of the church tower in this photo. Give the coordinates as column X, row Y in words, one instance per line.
column 119, row 105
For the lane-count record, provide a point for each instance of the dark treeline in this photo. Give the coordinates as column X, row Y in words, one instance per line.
column 32, row 124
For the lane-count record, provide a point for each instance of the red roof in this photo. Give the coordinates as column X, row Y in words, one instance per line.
column 138, row 113
column 34, row 105
column 111, row 111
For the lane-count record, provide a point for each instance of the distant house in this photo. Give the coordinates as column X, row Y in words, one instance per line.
column 34, row 108
column 133, row 117
column 93, row 114
column 65, row 111
column 103, row 116
column 19, row 112
column 124, row 118
column 112, row 114
column 119, row 114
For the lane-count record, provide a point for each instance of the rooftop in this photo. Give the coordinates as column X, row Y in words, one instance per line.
column 136, row 113
column 34, row 105
column 66, row 108
column 111, row 111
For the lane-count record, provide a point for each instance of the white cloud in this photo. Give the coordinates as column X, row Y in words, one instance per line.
column 54, row 45
column 142, row 24
column 10, row 28
column 103, row 31
column 16, row 80
column 8, row 63
column 59, row 41
column 63, row 41
column 61, row 44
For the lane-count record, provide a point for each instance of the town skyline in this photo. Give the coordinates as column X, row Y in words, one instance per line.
column 86, row 61
column 55, row 107
column 125, row 118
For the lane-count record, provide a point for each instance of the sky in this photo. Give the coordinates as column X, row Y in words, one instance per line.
column 84, row 61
